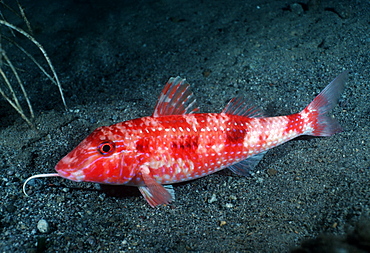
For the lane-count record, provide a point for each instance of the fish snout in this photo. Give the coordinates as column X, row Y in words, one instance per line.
column 66, row 168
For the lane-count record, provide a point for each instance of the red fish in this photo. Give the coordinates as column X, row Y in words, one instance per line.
column 175, row 144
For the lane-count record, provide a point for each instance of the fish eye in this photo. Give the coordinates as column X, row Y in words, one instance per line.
column 106, row 148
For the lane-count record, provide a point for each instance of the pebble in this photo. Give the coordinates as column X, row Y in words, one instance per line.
column 229, row 205
column 259, row 180
column 272, row 172
column 212, row 199
column 207, row 72
column 91, row 240
column 43, row 226
column 233, row 197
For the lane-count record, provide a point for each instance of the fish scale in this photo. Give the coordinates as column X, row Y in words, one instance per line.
column 176, row 144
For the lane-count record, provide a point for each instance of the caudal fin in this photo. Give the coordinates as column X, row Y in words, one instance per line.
column 319, row 123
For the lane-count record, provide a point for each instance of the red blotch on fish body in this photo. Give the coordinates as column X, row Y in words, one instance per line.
column 295, row 123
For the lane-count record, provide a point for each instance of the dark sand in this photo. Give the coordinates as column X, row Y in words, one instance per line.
column 113, row 60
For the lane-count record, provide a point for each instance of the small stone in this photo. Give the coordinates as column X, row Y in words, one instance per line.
column 272, row 172
column 207, row 72
column 229, row 205
column 43, row 226
column 60, row 199
column 212, row 199
column 233, row 197
column 259, row 180
column 91, row 240
column 222, row 223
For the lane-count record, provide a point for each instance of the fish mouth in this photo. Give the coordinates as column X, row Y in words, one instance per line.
column 66, row 171
column 77, row 176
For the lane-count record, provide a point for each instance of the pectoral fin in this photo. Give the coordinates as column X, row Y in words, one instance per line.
column 154, row 193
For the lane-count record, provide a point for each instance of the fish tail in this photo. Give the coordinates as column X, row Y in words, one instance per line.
column 319, row 123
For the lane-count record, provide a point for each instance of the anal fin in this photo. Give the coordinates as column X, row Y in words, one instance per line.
column 245, row 167
column 169, row 188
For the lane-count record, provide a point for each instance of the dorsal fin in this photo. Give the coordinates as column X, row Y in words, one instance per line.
column 242, row 107
column 176, row 99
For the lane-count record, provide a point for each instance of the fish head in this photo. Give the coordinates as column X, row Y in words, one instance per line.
column 99, row 158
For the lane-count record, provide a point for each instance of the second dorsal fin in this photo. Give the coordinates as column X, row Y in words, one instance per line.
column 176, row 99
column 242, row 107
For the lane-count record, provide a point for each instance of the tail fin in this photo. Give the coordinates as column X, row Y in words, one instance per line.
column 319, row 123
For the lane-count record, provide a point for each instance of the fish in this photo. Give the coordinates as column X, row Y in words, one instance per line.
column 177, row 143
